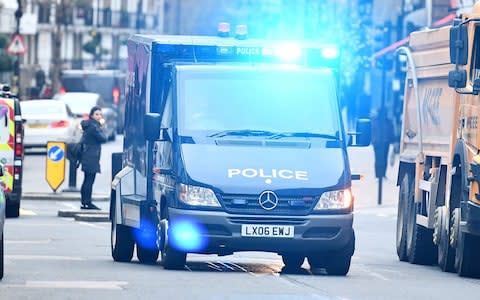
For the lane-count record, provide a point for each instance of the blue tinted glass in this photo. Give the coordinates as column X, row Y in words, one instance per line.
column 214, row 98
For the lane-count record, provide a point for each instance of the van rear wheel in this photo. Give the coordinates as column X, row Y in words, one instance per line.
column 1, row 257
column 122, row 243
column 405, row 195
column 12, row 210
column 293, row 261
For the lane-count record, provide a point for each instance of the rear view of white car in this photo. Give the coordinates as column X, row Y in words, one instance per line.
column 49, row 120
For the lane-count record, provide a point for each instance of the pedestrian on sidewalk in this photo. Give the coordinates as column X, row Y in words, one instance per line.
column 382, row 136
column 93, row 138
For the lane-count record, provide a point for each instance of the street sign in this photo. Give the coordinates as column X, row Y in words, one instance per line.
column 16, row 45
column 55, row 167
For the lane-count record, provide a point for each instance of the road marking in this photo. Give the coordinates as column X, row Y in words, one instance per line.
column 371, row 273
column 103, row 285
column 25, row 212
column 28, row 242
column 93, row 225
column 43, row 257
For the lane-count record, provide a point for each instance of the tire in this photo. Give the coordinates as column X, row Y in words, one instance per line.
column 446, row 253
column 293, row 261
column 317, row 260
column 405, row 196
column 122, row 242
column 1, row 257
column 467, row 263
column 147, row 255
column 419, row 240
column 173, row 259
column 338, row 264
column 12, row 210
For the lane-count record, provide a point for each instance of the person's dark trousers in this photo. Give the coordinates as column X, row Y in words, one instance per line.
column 86, row 190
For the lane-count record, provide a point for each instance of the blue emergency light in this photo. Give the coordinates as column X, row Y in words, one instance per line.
column 215, row 49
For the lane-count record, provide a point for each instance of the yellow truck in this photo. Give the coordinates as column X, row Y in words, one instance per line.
column 438, row 218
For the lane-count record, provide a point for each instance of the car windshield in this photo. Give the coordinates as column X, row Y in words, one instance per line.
column 229, row 101
column 42, row 108
column 79, row 103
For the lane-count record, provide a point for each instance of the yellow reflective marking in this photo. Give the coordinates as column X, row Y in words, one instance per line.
column 26, row 212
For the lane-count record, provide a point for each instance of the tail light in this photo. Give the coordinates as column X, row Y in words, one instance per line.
column 16, row 172
column 85, row 116
column 18, row 139
column 59, row 124
column 62, row 90
column 116, row 95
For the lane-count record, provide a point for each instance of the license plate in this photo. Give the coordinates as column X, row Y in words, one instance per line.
column 276, row 231
column 37, row 125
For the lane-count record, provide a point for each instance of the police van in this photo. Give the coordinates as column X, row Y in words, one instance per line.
column 11, row 151
column 233, row 145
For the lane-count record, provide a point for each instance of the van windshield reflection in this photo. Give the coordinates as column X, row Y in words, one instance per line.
column 256, row 102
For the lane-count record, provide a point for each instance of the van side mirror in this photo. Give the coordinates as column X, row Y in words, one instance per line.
column 363, row 133
column 459, row 45
column 457, row 79
column 151, row 126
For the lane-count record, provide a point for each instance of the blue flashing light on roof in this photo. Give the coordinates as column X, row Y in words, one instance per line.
column 330, row 52
column 288, row 52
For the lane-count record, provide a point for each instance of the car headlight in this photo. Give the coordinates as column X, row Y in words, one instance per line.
column 197, row 196
column 335, row 200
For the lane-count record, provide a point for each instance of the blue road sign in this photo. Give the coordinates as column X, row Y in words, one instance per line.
column 56, row 153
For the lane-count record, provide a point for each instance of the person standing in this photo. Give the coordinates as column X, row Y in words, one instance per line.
column 93, row 137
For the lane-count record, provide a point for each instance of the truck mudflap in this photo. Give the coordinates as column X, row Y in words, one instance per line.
column 472, row 218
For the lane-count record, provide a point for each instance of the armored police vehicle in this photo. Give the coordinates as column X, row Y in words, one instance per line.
column 233, row 145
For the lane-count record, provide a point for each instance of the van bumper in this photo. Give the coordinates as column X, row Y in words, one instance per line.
column 221, row 232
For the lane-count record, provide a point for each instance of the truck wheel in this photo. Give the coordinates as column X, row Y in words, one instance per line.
column 466, row 260
column 293, row 261
column 173, row 259
column 147, row 255
column 122, row 242
column 404, row 197
column 446, row 254
column 420, row 247
column 1, row 257
column 12, row 210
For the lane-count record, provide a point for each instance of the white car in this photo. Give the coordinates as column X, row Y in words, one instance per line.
column 48, row 120
column 82, row 102
column 2, row 222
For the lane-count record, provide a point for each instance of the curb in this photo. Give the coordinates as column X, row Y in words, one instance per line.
column 92, row 218
column 73, row 213
column 61, row 196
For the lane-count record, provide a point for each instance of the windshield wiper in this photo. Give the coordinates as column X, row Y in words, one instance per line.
column 242, row 132
column 304, row 134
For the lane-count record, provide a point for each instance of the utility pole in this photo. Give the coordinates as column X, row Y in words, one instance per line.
column 56, row 20
column 16, row 65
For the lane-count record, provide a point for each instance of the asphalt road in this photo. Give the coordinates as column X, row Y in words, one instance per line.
column 49, row 257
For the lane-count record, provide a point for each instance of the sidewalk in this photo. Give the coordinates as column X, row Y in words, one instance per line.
column 366, row 189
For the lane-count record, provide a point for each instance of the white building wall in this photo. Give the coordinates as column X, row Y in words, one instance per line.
column 44, row 49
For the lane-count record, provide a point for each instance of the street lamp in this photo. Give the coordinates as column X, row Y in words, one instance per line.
column 16, row 64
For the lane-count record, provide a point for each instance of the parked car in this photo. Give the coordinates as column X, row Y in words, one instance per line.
column 48, row 120
column 110, row 84
column 2, row 222
column 81, row 103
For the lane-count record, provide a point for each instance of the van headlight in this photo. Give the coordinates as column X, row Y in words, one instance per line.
column 197, row 196
column 335, row 200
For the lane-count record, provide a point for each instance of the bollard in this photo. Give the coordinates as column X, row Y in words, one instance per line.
column 72, row 172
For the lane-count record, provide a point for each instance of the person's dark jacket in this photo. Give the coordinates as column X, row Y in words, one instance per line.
column 93, row 137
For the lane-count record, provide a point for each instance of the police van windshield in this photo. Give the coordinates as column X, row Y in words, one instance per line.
column 215, row 99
